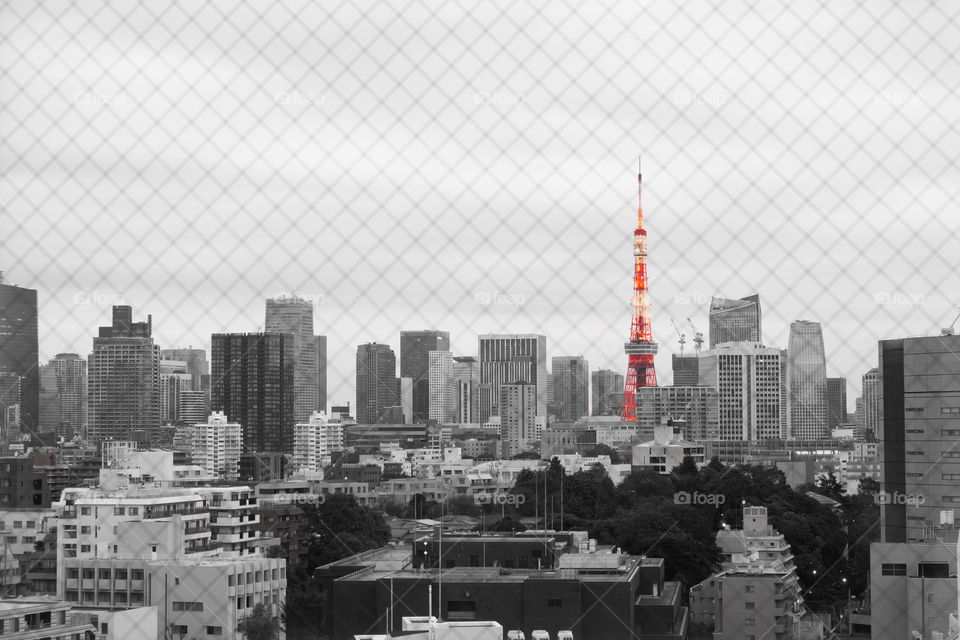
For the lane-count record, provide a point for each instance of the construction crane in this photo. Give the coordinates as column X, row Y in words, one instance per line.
column 697, row 336
column 683, row 338
column 948, row 331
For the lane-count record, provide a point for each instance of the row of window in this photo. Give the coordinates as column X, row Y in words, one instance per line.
column 182, row 630
column 104, row 574
column 187, row 606
column 256, row 576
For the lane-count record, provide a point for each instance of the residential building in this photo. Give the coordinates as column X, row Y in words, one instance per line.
column 518, row 413
column 124, row 380
column 666, row 451
column 735, row 320
column 314, row 442
column 698, row 408
column 836, row 402
column 214, row 445
column 253, row 384
column 41, row 617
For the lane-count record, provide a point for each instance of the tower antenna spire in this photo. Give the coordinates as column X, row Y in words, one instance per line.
column 641, row 348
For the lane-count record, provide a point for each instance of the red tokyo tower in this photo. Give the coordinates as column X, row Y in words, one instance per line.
column 641, row 348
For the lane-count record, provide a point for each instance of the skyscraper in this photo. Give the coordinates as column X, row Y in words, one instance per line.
column 836, row 402
column 70, row 375
column 252, row 382
column 213, row 444
column 871, row 401
column 518, row 412
column 511, row 358
column 571, row 387
column 607, row 392
column 466, row 386
column 377, row 384
column 442, row 391
column 748, row 379
column 295, row 316
column 19, row 348
column 694, row 409
column 124, row 380
column 197, row 365
column 321, row 342
column 806, row 382
column 415, row 348
column 685, row 370
column 735, row 320
column 919, row 435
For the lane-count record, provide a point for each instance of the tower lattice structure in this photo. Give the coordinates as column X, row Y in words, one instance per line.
column 641, row 348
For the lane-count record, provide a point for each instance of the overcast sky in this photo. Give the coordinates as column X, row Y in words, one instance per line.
column 473, row 169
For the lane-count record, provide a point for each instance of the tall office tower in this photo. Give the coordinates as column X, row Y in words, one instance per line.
column 321, row 347
column 466, row 378
column 919, row 433
column 695, row 410
column 748, row 379
column 735, row 320
column 510, row 358
column 295, row 316
column 806, row 382
column 214, row 444
column 252, row 383
column 836, row 402
column 415, row 348
column 442, row 403
column 124, row 380
column 174, row 380
column 196, row 364
column 70, row 388
column 518, row 413
column 405, row 394
column 49, row 411
column 685, row 371
column 377, row 383
column 872, row 406
column 607, row 392
column 571, row 387
column 314, row 442
column 19, row 347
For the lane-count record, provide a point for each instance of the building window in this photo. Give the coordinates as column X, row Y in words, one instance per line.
column 750, row 605
column 749, row 588
column 84, row 548
column 85, row 530
column 750, row 622
column 179, row 629
column 119, row 511
column 187, row 606
column 136, row 574
column 554, row 602
column 461, row 610
column 84, row 511
column 134, row 511
column 214, row 631
column 949, row 409
column 893, row 569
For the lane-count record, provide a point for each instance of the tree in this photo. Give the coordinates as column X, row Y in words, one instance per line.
column 829, row 486
column 259, row 624
column 607, row 450
column 526, row 455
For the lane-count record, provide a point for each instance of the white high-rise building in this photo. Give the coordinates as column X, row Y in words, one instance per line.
column 295, row 316
column 511, row 358
column 465, row 389
column 442, row 396
column 214, row 445
column 748, row 379
column 518, row 416
column 315, row 441
column 806, row 382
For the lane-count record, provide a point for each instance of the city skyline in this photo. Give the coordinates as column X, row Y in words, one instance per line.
column 503, row 199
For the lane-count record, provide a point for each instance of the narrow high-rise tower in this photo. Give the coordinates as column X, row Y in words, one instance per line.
column 641, row 348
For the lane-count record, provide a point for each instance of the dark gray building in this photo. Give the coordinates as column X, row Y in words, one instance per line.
column 19, row 350
column 919, row 434
column 735, row 320
column 377, row 384
column 607, row 392
column 836, row 402
column 415, row 348
column 321, row 347
column 295, row 316
column 252, row 381
column 686, row 370
column 124, row 380
column 570, row 378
